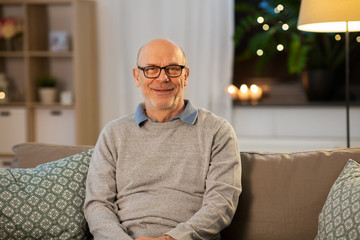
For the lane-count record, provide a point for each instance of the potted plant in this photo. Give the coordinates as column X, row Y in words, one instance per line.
column 307, row 54
column 47, row 89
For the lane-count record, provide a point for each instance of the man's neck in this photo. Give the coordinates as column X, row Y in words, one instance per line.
column 163, row 115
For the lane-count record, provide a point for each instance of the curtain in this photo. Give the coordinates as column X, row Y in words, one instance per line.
column 203, row 28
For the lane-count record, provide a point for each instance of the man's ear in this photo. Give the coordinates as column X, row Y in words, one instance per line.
column 136, row 77
column 186, row 75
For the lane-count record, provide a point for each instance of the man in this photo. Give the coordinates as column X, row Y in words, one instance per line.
column 168, row 171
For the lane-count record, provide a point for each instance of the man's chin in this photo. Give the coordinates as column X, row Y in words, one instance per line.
column 163, row 105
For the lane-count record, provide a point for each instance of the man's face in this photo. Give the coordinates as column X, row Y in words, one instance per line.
column 163, row 92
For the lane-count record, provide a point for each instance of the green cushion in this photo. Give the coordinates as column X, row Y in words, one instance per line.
column 45, row 202
column 340, row 216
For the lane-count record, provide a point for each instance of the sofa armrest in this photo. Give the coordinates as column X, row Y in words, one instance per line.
column 29, row 155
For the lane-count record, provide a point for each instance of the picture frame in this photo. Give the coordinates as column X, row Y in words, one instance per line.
column 59, row 41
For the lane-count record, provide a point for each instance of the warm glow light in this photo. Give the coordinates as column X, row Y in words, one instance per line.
column 244, row 88
column 243, row 94
column 285, row 27
column 260, row 20
column 2, row 95
column 231, row 89
column 266, row 27
column 254, row 88
column 330, row 27
column 329, row 16
column 259, row 52
column 280, row 47
column 358, row 39
column 255, row 93
column 280, row 7
column 337, row 37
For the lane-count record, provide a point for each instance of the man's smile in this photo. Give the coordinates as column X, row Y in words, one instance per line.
column 162, row 90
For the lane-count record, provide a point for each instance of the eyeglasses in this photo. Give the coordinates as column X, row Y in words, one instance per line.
column 154, row 71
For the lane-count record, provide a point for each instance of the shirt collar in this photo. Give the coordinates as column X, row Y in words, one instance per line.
column 189, row 115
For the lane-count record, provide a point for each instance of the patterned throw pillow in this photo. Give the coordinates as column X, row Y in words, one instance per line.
column 45, row 202
column 340, row 216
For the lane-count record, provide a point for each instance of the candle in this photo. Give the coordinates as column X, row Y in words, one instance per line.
column 255, row 93
column 233, row 91
column 243, row 94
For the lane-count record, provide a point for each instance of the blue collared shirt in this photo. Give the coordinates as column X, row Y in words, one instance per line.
column 189, row 115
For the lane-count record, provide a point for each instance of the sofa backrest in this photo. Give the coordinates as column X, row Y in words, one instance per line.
column 29, row 155
column 283, row 194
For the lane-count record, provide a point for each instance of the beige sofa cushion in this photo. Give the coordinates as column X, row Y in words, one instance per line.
column 29, row 155
column 283, row 194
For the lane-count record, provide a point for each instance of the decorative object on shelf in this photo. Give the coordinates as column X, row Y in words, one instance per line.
column 59, row 41
column 47, row 89
column 255, row 93
column 245, row 94
column 333, row 16
column 4, row 92
column 10, row 28
column 233, row 91
column 66, row 98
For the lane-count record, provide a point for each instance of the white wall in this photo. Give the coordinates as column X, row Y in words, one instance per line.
column 288, row 129
column 203, row 28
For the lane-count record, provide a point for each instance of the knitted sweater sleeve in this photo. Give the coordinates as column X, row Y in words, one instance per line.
column 99, row 207
column 223, row 187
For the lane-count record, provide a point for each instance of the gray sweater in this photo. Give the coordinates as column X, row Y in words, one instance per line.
column 170, row 178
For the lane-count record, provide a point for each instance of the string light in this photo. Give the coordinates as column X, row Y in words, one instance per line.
column 260, row 20
column 266, row 27
column 259, row 52
column 280, row 47
column 285, row 27
column 358, row 39
column 279, row 8
column 2, row 95
column 337, row 37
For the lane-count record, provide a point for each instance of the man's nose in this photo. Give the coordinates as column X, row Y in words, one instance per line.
column 163, row 76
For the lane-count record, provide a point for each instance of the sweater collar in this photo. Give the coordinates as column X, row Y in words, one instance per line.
column 189, row 115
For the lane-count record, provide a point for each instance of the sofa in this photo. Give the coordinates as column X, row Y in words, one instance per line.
column 284, row 194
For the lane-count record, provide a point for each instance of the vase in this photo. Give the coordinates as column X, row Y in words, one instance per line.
column 318, row 84
column 47, row 95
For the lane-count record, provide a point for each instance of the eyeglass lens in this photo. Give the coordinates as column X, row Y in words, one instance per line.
column 171, row 71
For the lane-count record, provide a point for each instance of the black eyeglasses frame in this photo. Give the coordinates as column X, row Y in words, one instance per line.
column 161, row 68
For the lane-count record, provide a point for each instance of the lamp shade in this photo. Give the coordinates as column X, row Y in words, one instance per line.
column 329, row 15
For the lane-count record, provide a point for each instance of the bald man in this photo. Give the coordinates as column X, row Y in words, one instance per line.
column 169, row 170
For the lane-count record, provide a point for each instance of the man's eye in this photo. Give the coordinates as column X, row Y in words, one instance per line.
column 151, row 69
column 173, row 68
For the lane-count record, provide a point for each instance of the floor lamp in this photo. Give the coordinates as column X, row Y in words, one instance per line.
column 333, row 16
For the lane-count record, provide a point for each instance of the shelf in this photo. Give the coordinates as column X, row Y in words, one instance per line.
column 13, row 104
column 295, row 104
column 68, row 54
column 56, row 40
column 38, row 105
column 20, row 54
column 11, row 54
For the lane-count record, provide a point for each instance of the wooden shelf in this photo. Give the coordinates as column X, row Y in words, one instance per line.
column 50, row 54
column 38, row 105
column 74, row 69
column 15, row 54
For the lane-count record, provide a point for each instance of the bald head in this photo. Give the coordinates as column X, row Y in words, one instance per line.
column 159, row 46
